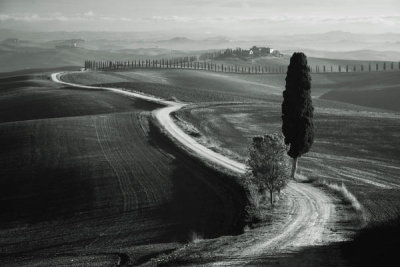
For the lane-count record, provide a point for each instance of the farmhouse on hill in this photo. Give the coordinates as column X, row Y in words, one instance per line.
column 260, row 51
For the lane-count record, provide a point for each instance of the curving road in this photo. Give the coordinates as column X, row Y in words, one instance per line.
column 311, row 212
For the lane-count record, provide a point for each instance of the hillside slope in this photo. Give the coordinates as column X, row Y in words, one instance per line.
column 86, row 178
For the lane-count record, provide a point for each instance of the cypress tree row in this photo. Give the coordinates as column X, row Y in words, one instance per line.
column 297, row 109
column 190, row 63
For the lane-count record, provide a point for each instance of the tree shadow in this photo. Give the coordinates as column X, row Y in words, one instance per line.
column 205, row 203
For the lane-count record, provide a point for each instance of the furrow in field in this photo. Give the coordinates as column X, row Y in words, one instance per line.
column 107, row 157
column 147, row 156
column 113, row 157
column 371, row 174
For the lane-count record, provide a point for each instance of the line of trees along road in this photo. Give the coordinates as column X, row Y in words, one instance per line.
column 179, row 64
column 195, row 64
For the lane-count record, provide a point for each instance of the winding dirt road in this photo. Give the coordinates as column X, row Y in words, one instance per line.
column 311, row 213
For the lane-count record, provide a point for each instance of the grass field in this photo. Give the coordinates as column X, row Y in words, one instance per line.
column 359, row 149
column 178, row 84
column 355, row 144
column 379, row 89
column 86, row 178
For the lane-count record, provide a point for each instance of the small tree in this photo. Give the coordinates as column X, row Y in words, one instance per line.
column 268, row 163
column 297, row 109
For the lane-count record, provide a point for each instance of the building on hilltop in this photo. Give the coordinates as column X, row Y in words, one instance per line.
column 266, row 50
column 260, row 51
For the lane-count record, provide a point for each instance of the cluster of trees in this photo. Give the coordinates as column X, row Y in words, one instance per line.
column 227, row 53
column 269, row 154
column 211, row 55
column 239, row 53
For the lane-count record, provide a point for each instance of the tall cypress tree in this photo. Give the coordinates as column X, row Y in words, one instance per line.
column 297, row 109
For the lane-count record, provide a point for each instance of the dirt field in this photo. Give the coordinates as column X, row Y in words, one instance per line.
column 86, row 179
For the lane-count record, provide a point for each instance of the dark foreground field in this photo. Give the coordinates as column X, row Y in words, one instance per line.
column 355, row 145
column 85, row 179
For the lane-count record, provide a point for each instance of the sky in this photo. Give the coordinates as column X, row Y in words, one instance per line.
column 203, row 17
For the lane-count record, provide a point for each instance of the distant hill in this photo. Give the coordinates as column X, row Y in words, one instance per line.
column 24, row 49
column 352, row 55
column 26, row 57
column 64, row 41
column 177, row 40
column 348, row 36
column 335, row 41
column 217, row 39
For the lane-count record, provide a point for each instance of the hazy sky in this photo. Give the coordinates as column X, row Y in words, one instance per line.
column 203, row 17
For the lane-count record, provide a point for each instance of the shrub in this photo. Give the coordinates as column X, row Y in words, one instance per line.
column 268, row 163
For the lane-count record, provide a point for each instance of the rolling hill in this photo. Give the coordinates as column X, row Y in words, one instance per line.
column 355, row 145
column 86, row 178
